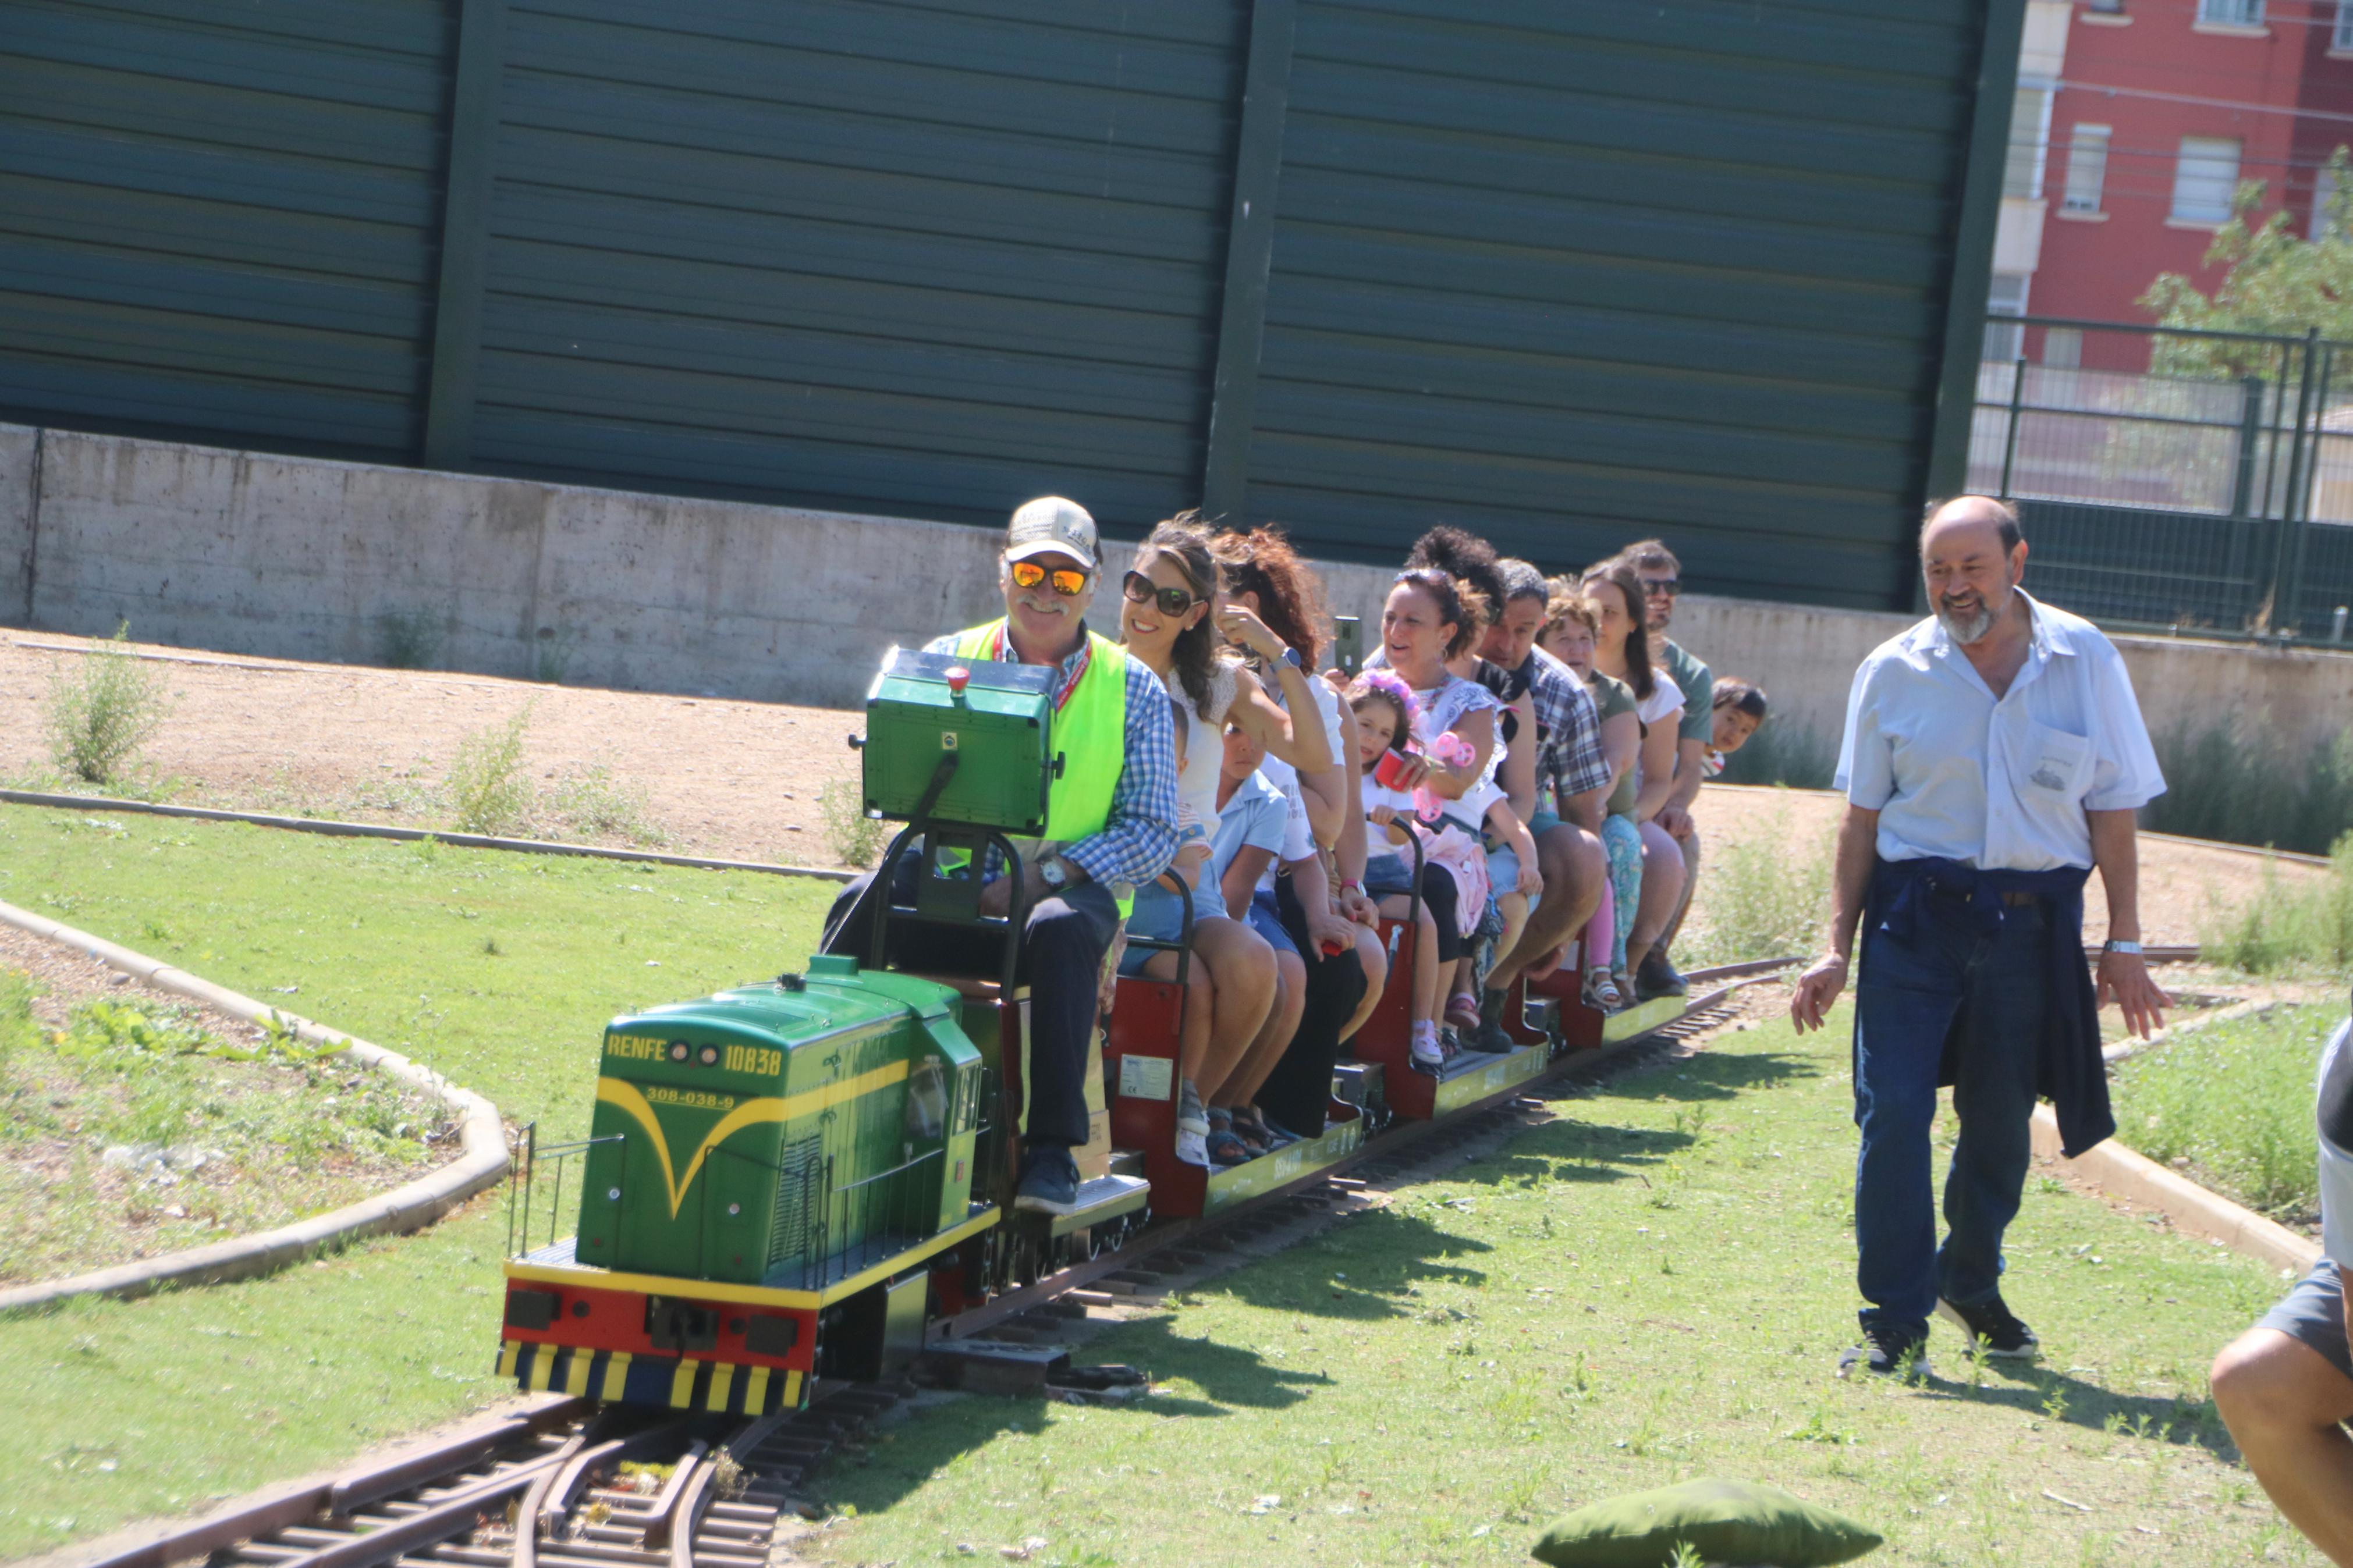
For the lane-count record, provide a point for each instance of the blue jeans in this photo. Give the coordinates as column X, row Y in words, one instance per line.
column 1986, row 993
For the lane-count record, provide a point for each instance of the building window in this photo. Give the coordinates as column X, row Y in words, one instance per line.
column 2343, row 38
column 2004, row 339
column 2205, row 179
column 2231, row 13
column 2063, row 347
column 2029, row 134
column 2087, row 168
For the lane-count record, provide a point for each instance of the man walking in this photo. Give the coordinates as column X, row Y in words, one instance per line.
column 1994, row 755
column 1662, row 578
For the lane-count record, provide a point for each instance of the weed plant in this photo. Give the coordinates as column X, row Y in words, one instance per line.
column 1767, row 894
column 104, row 711
column 412, row 639
column 1784, row 751
column 596, row 805
column 489, row 789
column 2222, row 784
column 854, row 837
column 2232, row 1103
column 2305, row 926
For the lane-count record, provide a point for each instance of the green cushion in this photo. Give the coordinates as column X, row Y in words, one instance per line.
column 1725, row 1522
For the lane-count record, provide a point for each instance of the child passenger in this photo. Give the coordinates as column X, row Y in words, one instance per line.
column 1384, row 710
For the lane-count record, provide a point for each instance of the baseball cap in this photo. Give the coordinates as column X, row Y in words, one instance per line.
column 1051, row 523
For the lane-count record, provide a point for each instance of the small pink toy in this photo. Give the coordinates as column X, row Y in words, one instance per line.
column 1453, row 750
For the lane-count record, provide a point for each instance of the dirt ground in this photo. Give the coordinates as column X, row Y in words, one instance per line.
column 732, row 779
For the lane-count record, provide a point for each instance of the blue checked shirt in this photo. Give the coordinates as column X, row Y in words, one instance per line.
column 1138, row 840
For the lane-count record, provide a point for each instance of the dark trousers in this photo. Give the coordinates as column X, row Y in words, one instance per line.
column 1984, row 991
column 1298, row 1094
column 1063, row 945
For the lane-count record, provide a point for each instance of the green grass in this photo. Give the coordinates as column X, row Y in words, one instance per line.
column 2303, row 927
column 260, row 1131
column 1765, row 895
column 2235, row 1101
column 497, row 969
column 1653, row 1288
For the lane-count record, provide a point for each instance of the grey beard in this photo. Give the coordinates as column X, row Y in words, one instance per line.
column 1965, row 632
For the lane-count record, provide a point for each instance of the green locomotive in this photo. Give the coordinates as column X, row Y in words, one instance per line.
column 787, row 1180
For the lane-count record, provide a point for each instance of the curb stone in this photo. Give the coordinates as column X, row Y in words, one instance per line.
column 2117, row 1170
column 482, row 1163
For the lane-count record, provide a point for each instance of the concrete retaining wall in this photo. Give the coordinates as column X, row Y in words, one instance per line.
column 299, row 558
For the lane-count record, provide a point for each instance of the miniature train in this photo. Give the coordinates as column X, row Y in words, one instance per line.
column 799, row 1179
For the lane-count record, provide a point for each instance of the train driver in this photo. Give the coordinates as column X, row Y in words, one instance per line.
column 1111, row 820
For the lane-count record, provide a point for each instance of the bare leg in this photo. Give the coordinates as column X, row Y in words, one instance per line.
column 1242, row 1086
column 1662, row 885
column 1574, row 867
column 1241, row 970
column 2283, row 1402
column 1689, row 845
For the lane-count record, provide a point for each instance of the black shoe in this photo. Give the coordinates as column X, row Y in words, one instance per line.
column 1657, row 978
column 1888, row 1353
column 1051, row 1185
column 1993, row 1329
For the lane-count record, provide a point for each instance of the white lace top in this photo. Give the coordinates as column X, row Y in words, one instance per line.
column 1205, row 745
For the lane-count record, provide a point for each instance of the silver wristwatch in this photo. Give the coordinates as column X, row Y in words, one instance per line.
column 1050, row 871
column 2116, row 946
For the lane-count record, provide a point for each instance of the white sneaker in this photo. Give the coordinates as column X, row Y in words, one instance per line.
column 1193, row 1148
column 1426, row 1050
column 1190, row 1115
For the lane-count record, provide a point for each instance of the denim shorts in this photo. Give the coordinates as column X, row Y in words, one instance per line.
column 1504, row 873
column 1266, row 919
column 1387, row 873
column 1159, row 916
column 2313, row 1314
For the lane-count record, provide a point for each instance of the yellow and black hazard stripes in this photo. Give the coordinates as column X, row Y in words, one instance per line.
column 682, row 1382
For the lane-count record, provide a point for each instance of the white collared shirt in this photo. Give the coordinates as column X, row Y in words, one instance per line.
column 1998, row 784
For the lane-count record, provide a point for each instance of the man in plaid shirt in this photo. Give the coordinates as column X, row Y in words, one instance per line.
column 1570, row 773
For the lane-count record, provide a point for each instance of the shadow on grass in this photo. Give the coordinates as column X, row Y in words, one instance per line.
column 1234, row 1380
column 1710, row 1076
column 2060, row 1396
column 1389, row 1252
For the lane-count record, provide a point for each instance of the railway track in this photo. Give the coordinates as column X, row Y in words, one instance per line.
column 561, row 1483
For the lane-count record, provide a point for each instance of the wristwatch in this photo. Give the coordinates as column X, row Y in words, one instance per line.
column 1049, row 871
column 2116, row 946
column 1291, row 657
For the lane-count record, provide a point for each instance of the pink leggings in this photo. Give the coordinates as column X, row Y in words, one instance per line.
column 1601, row 931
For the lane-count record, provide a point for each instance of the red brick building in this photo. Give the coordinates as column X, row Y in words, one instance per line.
column 2134, row 121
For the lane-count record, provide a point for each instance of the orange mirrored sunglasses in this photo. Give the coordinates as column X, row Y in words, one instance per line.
column 1068, row 581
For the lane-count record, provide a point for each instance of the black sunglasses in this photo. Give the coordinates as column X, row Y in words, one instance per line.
column 1669, row 586
column 1142, row 590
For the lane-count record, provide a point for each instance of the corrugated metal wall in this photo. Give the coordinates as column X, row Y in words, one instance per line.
column 1565, row 270
column 882, row 257
column 1572, row 275
column 219, row 221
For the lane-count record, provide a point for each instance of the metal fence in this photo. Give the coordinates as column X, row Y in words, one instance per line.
column 2190, row 481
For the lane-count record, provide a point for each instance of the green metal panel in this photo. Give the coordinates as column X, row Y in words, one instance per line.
column 875, row 257
column 217, row 220
column 746, row 1136
column 1573, row 274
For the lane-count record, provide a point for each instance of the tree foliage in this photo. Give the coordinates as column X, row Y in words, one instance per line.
column 2275, row 282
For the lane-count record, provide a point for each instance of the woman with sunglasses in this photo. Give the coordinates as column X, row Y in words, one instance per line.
column 1165, row 625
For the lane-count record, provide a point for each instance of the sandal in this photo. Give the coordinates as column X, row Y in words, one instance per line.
column 1223, row 1119
column 1225, row 1149
column 1462, row 1010
column 1252, row 1125
column 1601, row 993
